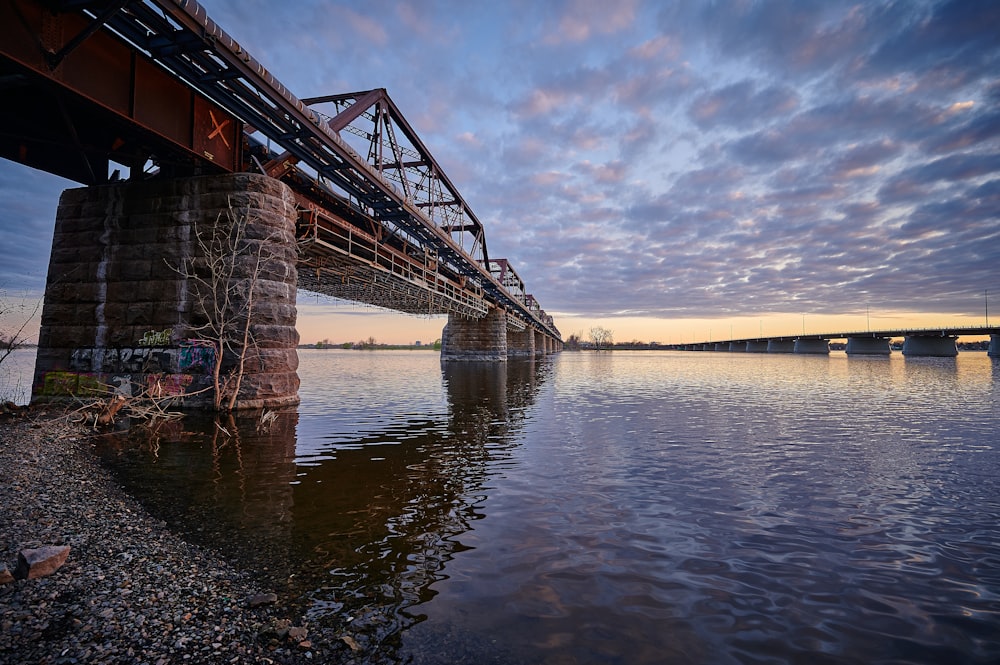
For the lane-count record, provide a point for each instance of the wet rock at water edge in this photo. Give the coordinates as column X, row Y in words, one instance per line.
column 262, row 599
column 40, row 562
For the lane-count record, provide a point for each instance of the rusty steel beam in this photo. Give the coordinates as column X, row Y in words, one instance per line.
column 360, row 102
column 73, row 88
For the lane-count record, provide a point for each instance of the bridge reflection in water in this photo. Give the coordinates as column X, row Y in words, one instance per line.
column 361, row 527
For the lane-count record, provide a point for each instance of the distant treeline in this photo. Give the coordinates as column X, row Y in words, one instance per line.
column 372, row 345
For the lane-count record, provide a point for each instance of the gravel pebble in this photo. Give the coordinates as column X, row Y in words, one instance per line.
column 131, row 590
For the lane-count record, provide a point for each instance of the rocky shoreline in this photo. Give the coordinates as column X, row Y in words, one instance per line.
column 130, row 591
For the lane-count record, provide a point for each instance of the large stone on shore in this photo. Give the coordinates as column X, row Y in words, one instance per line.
column 40, row 562
column 5, row 575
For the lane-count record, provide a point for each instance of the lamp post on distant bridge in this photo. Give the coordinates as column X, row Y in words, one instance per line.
column 986, row 297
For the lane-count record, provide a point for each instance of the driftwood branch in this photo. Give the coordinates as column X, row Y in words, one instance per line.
column 103, row 411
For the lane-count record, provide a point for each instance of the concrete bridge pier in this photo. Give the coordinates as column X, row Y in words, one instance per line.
column 757, row 347
column 485, row 339
column 122, row 298
column 814, row 346
column 721, row 346
column 780, row 346
column 924, row 345
column 737, row 347
column 994, row 350
column 868, row 346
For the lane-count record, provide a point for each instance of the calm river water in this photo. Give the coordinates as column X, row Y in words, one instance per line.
column 624, row 507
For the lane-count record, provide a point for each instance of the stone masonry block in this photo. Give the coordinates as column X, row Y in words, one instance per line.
column 67, row 336
column 131, row 271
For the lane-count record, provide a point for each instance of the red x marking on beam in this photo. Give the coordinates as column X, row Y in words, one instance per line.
column 218, row 128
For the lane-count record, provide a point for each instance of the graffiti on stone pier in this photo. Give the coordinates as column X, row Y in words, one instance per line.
column 190, row 356
column 155, row 338
column 196, row 355
column 167, row 385
column 71, row 383
column 156, row 371
column 124, row 361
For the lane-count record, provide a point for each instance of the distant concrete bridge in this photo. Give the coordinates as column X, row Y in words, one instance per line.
column 159, row 88
column 916, row 342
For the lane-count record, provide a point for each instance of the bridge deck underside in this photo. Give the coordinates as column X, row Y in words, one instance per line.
column 343, row 262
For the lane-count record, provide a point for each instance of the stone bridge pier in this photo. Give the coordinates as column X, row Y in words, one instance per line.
column 489, row 339
column 521, row 344
column 466, row 338
column 121, row 309
column 544, row 345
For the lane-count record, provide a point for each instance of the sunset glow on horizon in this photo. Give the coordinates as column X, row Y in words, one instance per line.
column 672, row 172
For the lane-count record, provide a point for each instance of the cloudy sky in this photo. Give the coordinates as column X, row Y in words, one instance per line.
column 666, row 169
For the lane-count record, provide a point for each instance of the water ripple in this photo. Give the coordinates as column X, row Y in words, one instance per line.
column 628, row 507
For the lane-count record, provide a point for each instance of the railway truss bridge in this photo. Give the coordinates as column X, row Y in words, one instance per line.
column 158, row 87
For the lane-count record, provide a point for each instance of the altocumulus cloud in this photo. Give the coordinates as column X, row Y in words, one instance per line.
column 701, row 159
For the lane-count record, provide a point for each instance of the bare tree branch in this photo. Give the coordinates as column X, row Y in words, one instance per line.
column 223, row 279
column 11, row 339
column 601, row 337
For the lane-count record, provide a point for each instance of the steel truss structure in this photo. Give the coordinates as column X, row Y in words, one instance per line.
column 397, row 184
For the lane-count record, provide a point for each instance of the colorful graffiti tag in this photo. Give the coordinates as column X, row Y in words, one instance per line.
column 167, row 385
column 155, row 338
column 71, row 383
column 156, row 371
column 196, row 354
